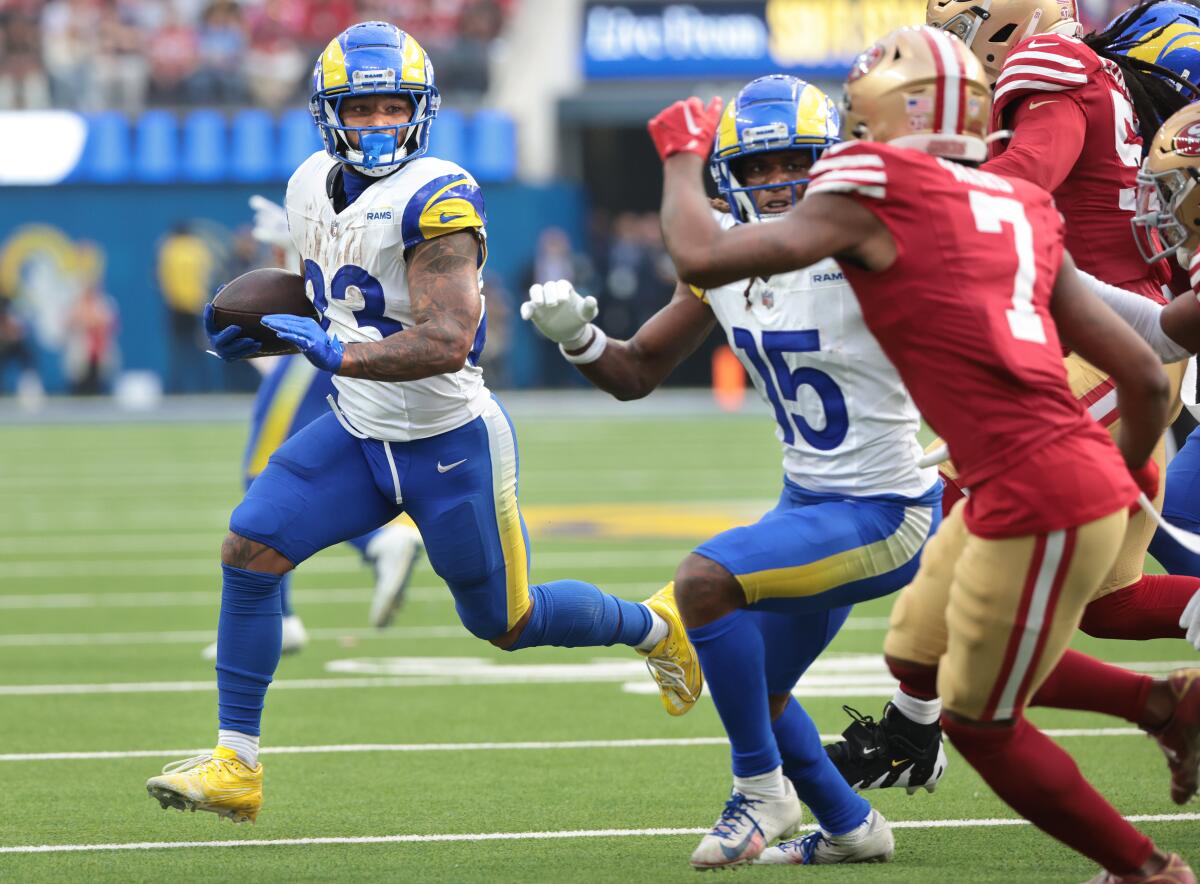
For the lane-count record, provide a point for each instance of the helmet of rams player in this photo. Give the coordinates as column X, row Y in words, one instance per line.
column 919, row 88
column 993, row 28
column 770, row 114
column 374, row 58
column 1166, row 34
column 1167, row 214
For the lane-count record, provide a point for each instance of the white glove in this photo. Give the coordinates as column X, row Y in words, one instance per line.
column 270, row 223
column 560, row 313
column 1191, row 620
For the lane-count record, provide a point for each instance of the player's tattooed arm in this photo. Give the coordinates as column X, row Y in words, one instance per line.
column 634, row 368
column 820, row 226
column 443, row 286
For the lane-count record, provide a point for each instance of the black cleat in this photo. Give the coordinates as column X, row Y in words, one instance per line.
column 891, row 753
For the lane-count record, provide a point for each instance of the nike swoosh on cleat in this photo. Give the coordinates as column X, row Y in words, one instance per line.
column 448, row 467
column 446, row 219
column 901, row 761
column 740, row 848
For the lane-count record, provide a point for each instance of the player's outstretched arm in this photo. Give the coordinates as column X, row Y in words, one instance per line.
column 633, row 369
column 1093, row 330
column 443, row 286
column 1173, row 332
column 707, row 256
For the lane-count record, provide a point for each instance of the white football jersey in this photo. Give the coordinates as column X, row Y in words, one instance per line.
column 354, row 272
column 845, row 420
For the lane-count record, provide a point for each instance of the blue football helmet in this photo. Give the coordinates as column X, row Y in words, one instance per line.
column 1167, row 34
column 372, row 58
column 772, row 113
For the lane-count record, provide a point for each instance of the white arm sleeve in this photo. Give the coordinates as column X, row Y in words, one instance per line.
column 1140, row 312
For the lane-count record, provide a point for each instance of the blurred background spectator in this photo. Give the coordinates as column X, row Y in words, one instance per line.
column 90, row 356
column 186, row 273
column 18, row 366
column 127, row 54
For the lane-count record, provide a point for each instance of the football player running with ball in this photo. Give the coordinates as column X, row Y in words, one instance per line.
column 855, row 510
column 962, row 277
column 1071, row 115
column 392, row 242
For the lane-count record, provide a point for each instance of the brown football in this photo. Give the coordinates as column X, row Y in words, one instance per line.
column 250, row 297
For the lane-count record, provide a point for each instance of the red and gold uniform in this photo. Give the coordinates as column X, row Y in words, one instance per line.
column 1013, row 566
column 1054, row 91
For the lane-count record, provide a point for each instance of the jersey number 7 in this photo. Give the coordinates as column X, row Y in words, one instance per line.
column 991, row 214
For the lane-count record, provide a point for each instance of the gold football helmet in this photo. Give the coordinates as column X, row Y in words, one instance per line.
column 919, row 88
column 1167, row 214
column 993, row 27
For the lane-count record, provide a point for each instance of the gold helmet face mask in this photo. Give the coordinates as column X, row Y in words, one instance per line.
column 1167, row 211
column 993, row 27
column 919, row 88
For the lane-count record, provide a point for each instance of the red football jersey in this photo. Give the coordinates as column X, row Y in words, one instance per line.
column 963, row 313
column 1091, row 165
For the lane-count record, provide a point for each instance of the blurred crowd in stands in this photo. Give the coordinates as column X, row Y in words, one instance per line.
column 130, row 54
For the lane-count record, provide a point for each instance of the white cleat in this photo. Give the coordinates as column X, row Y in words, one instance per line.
column 872, row 842
column 746, row 826
column 295, row 637
column 394, row 552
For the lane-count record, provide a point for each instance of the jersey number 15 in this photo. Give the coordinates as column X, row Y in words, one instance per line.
column 788, row 381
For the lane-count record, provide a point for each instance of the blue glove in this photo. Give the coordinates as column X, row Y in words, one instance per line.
column 228, row 343
column 322, row 350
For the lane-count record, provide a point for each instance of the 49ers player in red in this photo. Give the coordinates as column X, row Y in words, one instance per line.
column 962, row 277
column 1075, row 111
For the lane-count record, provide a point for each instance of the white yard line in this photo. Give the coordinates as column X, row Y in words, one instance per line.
column 518, row 746
column 37, row 569
column 331, row 633
column 212, row 598
column 834, row 675
column 519, row 836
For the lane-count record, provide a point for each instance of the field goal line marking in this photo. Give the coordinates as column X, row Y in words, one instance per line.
column 518, row 836
column 525, row 745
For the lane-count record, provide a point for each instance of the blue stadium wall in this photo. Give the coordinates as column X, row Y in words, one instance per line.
column 127, row 222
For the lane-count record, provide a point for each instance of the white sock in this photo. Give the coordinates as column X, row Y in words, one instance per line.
column 856, row 834
column 918, row 711
column 658, row 631
column 244, row 745
column 767, row 785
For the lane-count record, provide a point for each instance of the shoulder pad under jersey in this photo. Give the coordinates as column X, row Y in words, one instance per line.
column 1044, row 63
column 851, row 167
column 444, row 198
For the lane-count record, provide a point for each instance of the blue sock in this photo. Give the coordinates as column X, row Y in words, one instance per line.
column 837, row 807
column 1169, row 553
column 249, row 635
column 731, row 656
column 574, row 614
column 285, row 595
column 360, row 542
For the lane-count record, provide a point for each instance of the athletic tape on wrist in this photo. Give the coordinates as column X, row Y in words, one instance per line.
column 593, row 351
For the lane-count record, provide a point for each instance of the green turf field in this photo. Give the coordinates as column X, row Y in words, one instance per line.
column 407, row 755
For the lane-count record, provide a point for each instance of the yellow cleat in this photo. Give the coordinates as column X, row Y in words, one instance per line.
column 219, row 783
column 672, row 662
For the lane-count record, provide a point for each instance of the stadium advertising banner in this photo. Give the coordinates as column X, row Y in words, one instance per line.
column 805, row 37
